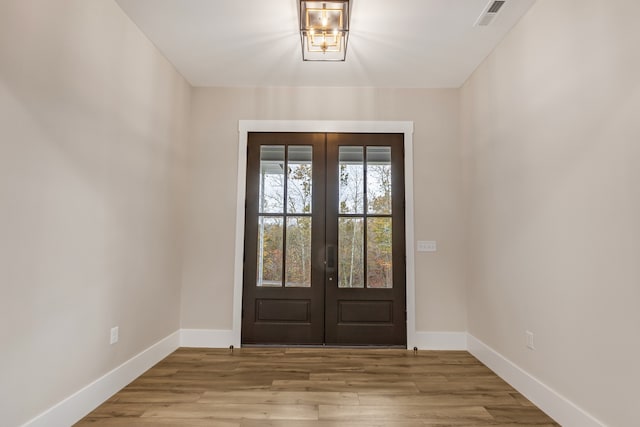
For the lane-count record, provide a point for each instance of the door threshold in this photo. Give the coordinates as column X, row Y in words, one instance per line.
column 329, row 346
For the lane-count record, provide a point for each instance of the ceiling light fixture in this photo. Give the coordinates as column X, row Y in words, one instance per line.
column 324, row 29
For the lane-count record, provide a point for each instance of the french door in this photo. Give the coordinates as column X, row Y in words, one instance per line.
column 324, row 240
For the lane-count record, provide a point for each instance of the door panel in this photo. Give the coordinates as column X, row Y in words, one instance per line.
column 365, row 293
column 324, row 240
column 283, row 293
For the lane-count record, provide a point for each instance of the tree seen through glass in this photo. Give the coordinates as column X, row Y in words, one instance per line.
column 299, row 192
column 284, row 229
column 354, row 172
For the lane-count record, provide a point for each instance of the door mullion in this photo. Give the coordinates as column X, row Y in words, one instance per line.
column 284, row 215
column 365, row 209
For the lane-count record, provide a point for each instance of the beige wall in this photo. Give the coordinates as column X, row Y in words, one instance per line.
column 207, row 286
column 551, row 124
column 92, row 131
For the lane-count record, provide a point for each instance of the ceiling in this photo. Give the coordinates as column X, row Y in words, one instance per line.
column 402, row 43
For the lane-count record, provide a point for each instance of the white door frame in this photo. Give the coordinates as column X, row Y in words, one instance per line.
column 246, row 126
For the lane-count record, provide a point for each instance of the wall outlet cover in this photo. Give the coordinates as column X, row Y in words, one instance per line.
column 529, row 340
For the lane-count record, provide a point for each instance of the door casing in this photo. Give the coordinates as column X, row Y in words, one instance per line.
column 246, row 126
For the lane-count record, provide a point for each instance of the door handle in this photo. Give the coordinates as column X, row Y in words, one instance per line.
column 330, row 262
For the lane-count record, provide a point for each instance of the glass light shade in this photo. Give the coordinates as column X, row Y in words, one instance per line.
column 324, row 30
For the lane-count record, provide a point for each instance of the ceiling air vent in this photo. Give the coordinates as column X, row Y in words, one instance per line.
column 490, row 13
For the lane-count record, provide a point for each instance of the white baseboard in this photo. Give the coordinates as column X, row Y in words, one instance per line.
column 85, row 400
column 440, row 340
column 207, row 338
column 562, row 410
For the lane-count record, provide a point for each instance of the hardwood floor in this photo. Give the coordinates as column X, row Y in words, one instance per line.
column 253, row 387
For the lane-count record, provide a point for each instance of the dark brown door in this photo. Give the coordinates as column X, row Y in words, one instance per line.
column 324, row 240
column 365, row 279
column 283, row 296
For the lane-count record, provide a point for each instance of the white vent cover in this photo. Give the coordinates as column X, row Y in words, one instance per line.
column 490, row 12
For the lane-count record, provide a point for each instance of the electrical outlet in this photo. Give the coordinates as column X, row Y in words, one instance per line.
column 427, row 246
column 114, row 334
column 529, row 340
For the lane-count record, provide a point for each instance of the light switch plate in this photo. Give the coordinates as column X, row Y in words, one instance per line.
column 427, row 246
column 114, row 335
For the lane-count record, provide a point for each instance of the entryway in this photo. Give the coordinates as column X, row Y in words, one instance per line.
column 324, row 247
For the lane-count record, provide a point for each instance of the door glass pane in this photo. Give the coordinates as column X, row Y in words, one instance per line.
column 269, row 251
column 379, row 253
column 351, row 177
column 271, row 179
column 379, row 180
column 351, row 253
column 299, row 179
column 298, row 265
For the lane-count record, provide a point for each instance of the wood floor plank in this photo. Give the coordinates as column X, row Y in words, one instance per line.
column 147, row 422
column 281, row 397
column 484, row 384
column 156, row 396
column 452, row 415
column 519, row 414
column 305, row 387
column 441, row 399
column 382, row 387
column 310, row 385
column 234, row 411
column 199, row 385
column 161, row 372
column 372, row 376
column 119, row 410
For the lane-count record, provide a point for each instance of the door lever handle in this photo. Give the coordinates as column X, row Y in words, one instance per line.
column 330, row 258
